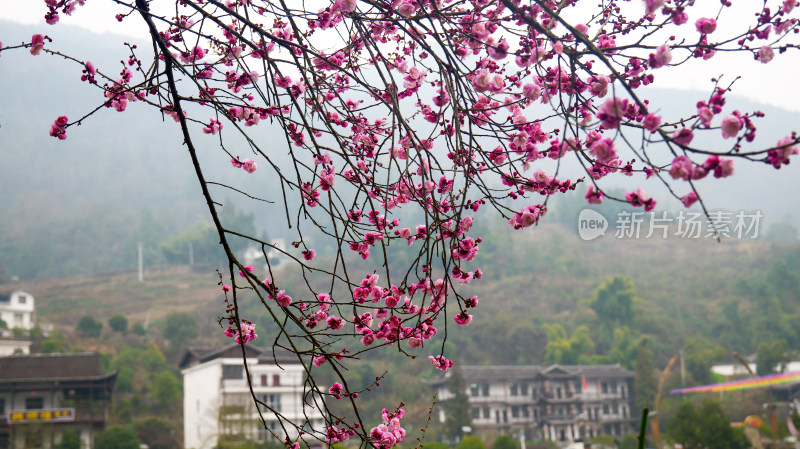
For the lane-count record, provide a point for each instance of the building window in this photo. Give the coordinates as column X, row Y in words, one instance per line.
column 605, row 409
column 485, row 389
column 525, row 411
column 523, row 389
column 615, row 408
column 22, row 299
column 5, row 299
column 2, row 406
column 613, row 387
column 34, row 403
column 473, row 389
column 272, row 401
column 604, row 387
column 276, row 380
column 476, row 413
column 232, row 371
column 515, row 411
column 512, row 388
column 558, row 392
column 486, row 413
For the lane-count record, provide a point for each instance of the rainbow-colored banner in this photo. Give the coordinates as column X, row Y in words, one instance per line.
column 767, row 381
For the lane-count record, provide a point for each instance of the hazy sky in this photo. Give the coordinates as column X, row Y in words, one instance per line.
column 773, row 83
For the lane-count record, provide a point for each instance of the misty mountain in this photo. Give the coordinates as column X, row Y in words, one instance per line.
column 122, row 178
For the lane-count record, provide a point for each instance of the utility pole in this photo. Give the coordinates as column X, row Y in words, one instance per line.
column 141, row 275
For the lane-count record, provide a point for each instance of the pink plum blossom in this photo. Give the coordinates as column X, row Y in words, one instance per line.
column 731, row 124
column 682, row 168
column 651, row 122
column 706, row 25
column 661, row 57
column 249, row 166
column 440, row 362
column 683, row 136
column 612, row 112
column 37, row 44
column 651, row 6
column 594, row 196
column 765, row 54
column 689, row 199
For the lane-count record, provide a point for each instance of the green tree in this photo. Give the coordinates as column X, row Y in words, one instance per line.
column 471, row 442
column 69, row 440
column 625, row 347
column 613, row 301
column 629, row 441
column 88, row 326
column 457, row 410
column 56, row 342
column 772, row 357
column 699, row 355
column 167, row 389
column 644, row 384
column 138, row 329
column 505, row 442
column 117, row 437
column 604, row 440
column 703, row 427
column 564, row 350
column 118, row 323
column 179, row 328
column 156, row 433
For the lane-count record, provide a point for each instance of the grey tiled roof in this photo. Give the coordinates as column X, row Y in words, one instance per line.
column 50, row 366
column 474, row 373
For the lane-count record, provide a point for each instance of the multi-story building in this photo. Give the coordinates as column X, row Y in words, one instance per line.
column 218, row 408
column 42, row 395
column 559, row 403
column 16, row 309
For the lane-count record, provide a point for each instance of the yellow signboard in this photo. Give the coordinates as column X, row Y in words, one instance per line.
column 46, row 415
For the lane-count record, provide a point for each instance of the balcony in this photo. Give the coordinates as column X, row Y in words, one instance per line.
column 562, row 418
column 564, row 397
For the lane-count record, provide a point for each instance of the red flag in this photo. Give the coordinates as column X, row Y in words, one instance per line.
column 584, row 385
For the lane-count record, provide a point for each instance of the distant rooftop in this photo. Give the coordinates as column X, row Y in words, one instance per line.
column 531, row 372
column 50, row 366
column 197, row 354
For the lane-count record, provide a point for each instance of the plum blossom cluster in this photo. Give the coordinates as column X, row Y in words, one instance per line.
column 390, row 433
column 394, row 139
column 243, row 333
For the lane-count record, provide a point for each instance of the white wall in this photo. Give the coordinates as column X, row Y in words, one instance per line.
column 201, row 393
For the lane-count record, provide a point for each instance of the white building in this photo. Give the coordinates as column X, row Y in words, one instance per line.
column 14, row 346
column 16, row 309
column 559, row 403
column 735, row 368
column 218, row 406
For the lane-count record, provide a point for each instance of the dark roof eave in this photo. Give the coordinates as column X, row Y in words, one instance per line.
column 106, row 376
